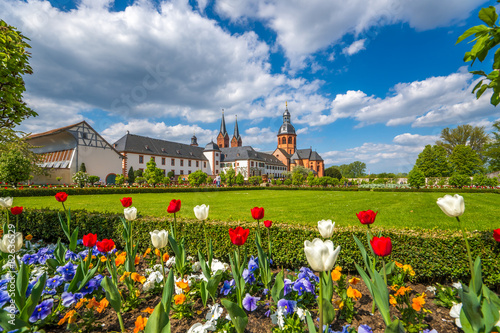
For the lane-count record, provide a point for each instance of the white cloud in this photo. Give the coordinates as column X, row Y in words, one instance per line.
column 408, row 139
column 256, row 136
column 160, row 130
column 355, row 47
column 304, row 27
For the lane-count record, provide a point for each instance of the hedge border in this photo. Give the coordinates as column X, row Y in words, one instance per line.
column 436, row 255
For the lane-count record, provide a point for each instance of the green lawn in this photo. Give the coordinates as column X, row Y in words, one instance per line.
column 396, row 210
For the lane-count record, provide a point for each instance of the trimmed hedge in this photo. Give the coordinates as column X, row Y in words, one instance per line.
column 439, row 190
column 436, row 255
column 39, row 192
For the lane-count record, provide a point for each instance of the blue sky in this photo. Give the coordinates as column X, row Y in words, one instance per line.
column 372, row 80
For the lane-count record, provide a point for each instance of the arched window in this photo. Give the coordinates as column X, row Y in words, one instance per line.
column 290, row 140
column 283, row 141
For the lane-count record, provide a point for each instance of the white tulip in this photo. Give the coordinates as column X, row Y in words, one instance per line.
column 159, row 238
column 325, row 228
column 453, row 206
column 320, row 255
column 6, row 202
column 201, row 212
column 11, row 243
column 130, row 213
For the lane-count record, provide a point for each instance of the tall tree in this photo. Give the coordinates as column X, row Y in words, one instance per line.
column 357, row 169
column 131, row 175
column 466, row 135
column 14, row 167
column 153, row 174
column 333, row 172
column 13, row 65
column 433, row 162
column 465, row 161
column 492, row 149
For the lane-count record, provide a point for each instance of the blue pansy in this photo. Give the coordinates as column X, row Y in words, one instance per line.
column 70, row 255
column 429, row 331
column 253, row 263
column 67, row 271
column 250, row 302
column 365, row 329
column 306, row 273
column 287, row 305
column 299, row 287
column 4, row 298
column 248, row 276
column 227, row 287
column 288, row 286
column 30, row 259
column 42, row 310
column 69, row 298
column 79, row 242
column 55, row 281
column 89, row 287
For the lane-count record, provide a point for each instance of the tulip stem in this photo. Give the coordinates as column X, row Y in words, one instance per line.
column 385, row 272
column 321, row 303
column 162, row 265
column 471, row 265
column 206, row 240
column 120, row 320
column 269, row 241
column 175, row 226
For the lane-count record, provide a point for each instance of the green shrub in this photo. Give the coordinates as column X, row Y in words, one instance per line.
column 239, row 179
column 288, row 182
column 435, row 255
column 459, row 180
column 197, row 178
column 416, row 178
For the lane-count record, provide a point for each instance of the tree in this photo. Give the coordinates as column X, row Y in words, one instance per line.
column 93, row 179
column 14, row 60
column 416, row 178
column 310, row 178
column 465, row 135
column 465, row 161
column 83, row 168
column 297, row 178
column 240, row 180
column 153, row 174
column 230, row 176
column 432, row 161
column 16, row 141
column 131, row 175
column 197, row 178
column 138, row 173
column 14, row 167
column 80, row 178
column 459, row 180
column 487, row 37
column 119, row 179
column 302, row 170
column 333, row 172
column 357, row 169
column 492, row 149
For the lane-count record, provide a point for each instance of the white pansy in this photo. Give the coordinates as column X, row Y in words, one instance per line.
column 457, row 285
column 431, row 289
column 202, row 328
column 301, row 313
column 218, row 266
column 148, row 285
column 214, row 313
column 325, row 228
column 170, row 261
column 196, row 267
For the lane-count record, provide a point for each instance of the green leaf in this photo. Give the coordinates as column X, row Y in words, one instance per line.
column 213, row 283
column 74, row 239
column 112, row 294
column 204, row 293
column 6, row 320
column 203, row 264
column 90, row 274
column 478, row 278
column 488, row 15
column 310, row 323
column 478, row 29
column 168, row 289
column 79, row 274
column 22, row 281
column 64, row 226
column 238, row 316
column 481, row 90
column 477, row 86
column 32, row 301
column 158, row 321
column 471, row 308
column 277, row 292
column 395, row 327
column 495, row 98
column 490, row 315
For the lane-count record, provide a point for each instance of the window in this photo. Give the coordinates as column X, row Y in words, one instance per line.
column 189, row 163
column 204, row 164
column 290, row 139
column 189, row 172
column 173, row 171
column 216, row 154
column 283, row 141
column 141, row 159
column 182, row 162
column 182, row 172
column 197, row 164
column 163, row 161
column 252, row 163
column 141, row 169
column 172, row 162
column 216, row 162
column 85, row 135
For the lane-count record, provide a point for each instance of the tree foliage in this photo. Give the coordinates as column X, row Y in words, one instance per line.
column 131, row 175
column 416, row 178
column 197, row 178
column 153, row 174
column 433, row 162
column 465, row 161
column 492, row 149
column 14, row 60
column 486, row 38
column 230, row 176
column 353, row 170
column 465, row 135
column 302, row 170
column 459, row 180
column 14, row 167
column 333, row 172
column 239, row 180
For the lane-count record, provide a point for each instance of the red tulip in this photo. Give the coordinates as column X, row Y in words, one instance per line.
column 496, row 234
column 89, row 240
column 16, row 210
column 257, row 213
column 381, row 246
column 126, row 202
column 61, row 196
column 238, row 235
column 174, row 206
column 366, row 216
column 268, row 223
column 105, row 245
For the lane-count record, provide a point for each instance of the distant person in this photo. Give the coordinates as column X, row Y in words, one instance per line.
column 217, row 180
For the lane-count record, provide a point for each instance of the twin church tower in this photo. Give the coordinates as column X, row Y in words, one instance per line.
column 287, row 138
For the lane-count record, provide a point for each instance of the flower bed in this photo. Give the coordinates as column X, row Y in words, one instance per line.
column 82, row 285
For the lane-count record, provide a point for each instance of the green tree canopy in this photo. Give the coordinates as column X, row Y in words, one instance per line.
column 197, row 178
column 492, row 149
column 153, row 174
column 433, row 162
column 333, row 172
column 465, row 161
column 131, row 175
column 465, row 135
column 416, row 178
column 14, row 167
column 14, row 61
column 353, row 170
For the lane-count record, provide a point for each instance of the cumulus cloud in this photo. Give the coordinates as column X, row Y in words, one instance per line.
column 160, row 130
column 306, row 26
column 408, row 139
column 355, row 47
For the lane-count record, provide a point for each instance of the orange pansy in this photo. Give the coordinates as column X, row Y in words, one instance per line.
column 179, row 299
column 140, row 324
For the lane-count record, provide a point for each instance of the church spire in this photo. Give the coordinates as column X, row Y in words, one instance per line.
column 223, row 125
column 223, row 137
column 236, row 140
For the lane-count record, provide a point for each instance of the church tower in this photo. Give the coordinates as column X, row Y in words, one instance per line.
column 236, row 141
column 287, row 139
column 223, row 137
column 194, row 141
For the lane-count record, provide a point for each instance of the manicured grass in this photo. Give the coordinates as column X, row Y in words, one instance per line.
column 396, row 210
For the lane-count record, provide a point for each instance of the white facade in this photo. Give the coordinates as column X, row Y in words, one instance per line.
column 249, row 168
column 179, row 165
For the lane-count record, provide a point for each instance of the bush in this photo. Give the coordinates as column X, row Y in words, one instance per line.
column 197, row 178
column 93, row 179
column 480, row 180
column 288, row 182
column 297, row 178
column 435, row 255
column 416, row 178
column 240, row 180
column 119, row 180
column 140, row 180
column 80, row 178
column 459, row 180
column 279, row 182
column 255, row 180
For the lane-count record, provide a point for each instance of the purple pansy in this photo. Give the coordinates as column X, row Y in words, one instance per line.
column 55, row 281
column 287, row 305
column 67, row 271
column 69, row 298
column 42, row 310
column 227, row 287
column 253, row 263
column 248, row 276
column 366, row 329
column 250, row 302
